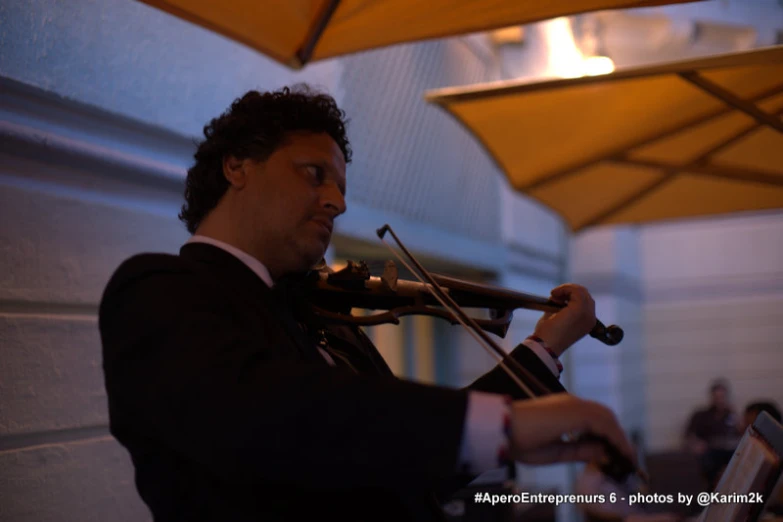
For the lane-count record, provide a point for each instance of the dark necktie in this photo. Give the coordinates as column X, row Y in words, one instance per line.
column 291, row 294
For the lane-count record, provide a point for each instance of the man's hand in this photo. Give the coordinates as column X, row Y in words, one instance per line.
column 538, row 425
column 561, row 329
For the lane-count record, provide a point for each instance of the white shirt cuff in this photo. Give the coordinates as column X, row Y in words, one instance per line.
column 545, row 357
column 483, row 434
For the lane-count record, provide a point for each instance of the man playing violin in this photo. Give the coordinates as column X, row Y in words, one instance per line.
column 231, row 408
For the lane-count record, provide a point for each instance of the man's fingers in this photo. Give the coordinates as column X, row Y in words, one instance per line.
column 577, row 298
column 566, row 290
column 571, row 292
column 561, row 293
column 604, row 424
column 537, row 425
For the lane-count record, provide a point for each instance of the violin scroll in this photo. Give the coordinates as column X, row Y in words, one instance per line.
column 610, row 335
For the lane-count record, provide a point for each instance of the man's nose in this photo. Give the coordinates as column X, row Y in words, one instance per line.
column 333, row 199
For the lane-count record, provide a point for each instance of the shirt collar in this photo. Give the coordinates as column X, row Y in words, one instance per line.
column 252, row 263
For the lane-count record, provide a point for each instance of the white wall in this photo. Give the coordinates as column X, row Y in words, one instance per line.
column 68, row 219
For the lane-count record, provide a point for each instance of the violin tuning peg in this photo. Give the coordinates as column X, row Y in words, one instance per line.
column 353, row 275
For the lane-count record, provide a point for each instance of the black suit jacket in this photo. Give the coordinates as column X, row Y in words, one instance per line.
column 229, row 412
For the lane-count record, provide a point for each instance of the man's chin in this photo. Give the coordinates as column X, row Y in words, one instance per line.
column 307, row 254
column 314, row 259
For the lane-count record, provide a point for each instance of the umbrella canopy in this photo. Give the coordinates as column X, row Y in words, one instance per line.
column 684, row 139
column 294, row 32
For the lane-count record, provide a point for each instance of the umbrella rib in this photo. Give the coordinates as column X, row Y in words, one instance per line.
column 305, row 52
column 702, row 158
column 670, row 173
column 707, row 169
column 618, row 153
column 731, row 99
column 655, row 185
column 729, row 141
column 697, row 166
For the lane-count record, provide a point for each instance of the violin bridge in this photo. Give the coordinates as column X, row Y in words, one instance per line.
column 389, row 276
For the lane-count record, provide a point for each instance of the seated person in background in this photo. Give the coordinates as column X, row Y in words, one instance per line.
column 752, row 411
column 774, row 506
column 713, row 433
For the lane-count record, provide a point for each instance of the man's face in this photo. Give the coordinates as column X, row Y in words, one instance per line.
column 292, row 199
column 720, row 398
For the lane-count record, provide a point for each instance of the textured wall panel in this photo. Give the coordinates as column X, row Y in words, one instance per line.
column 713, row 253
column 86, row 481
column 50, row 374
column 78, row 194
column 410, row 157
column 63, row 246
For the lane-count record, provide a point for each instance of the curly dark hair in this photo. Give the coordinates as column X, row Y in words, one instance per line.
column 254, row 127
column 768, row 406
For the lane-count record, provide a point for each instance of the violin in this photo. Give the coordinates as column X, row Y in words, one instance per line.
column 354, row 287
column 333, row 294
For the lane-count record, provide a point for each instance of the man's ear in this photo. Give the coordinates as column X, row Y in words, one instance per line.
column 234, row 171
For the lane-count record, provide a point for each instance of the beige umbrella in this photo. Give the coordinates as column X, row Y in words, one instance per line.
column 684, row 139
column 294, row 32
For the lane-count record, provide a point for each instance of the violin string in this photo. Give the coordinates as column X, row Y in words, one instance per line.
column 498, row 357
